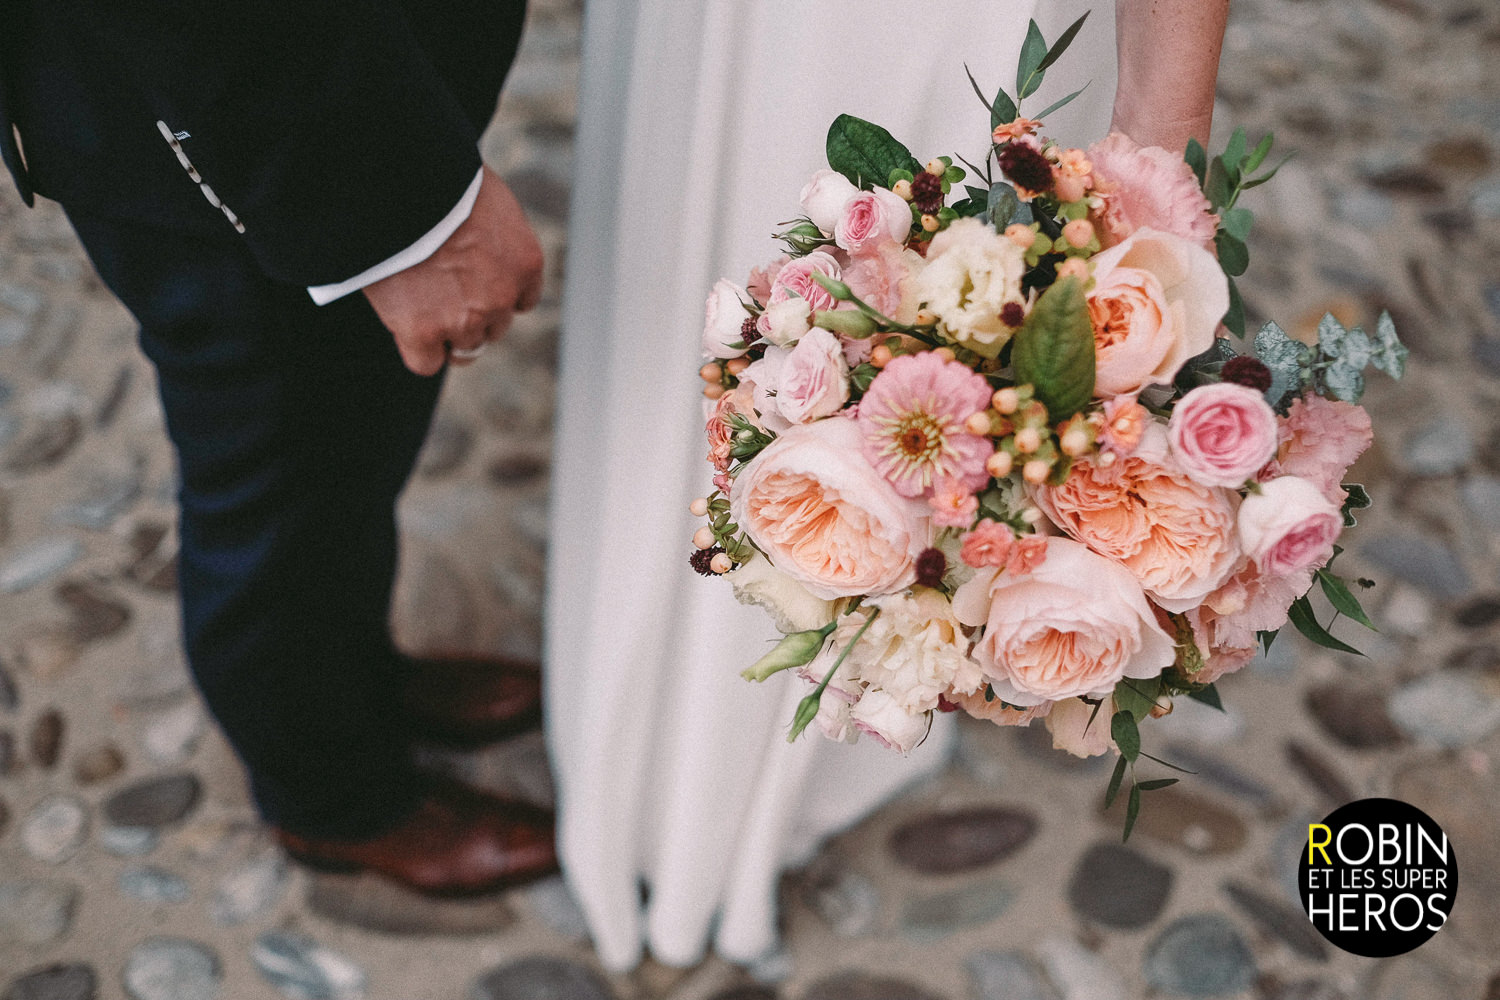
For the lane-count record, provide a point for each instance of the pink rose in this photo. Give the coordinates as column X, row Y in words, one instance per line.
column 1157, row 301
column 814, row 380
column 872, row 219
column 795, row 280
column 882, row 279
column 1222, row 434
column 813, row 504
column 1320, row 439
column 1148, row 187
column 824, row 196
column 884, row 718
column 1176, row 536
column 1074, row 626
column 724, row 318
column 1080, row 728
column 1288, row 525
column 762, row 278
column 761, row 381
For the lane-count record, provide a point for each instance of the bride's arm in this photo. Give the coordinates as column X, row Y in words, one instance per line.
column 1169, row 63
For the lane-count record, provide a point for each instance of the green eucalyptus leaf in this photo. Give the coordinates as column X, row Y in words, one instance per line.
column 1132, row 810
column 1357, row 499
column 1237, row 222
column 1137, row 697
column 1126, row 735
column 1282, row 355
column 1234, row 256
column 1063, row 41
column 1344, row 381
column 1054, row 350
column 1217, row 187
column 1234, row 153
column 1263, row 178
column 1389, row 354
column 1209, row 695
column 1267, row 636
column 1028, row 70
column 1257, row 155
column 1343, row 599
column 1001, row 205
column 1004, row 109
column 1301, row 615
column 988, row 106
column 1155, row 783
column 1197, row 158
column 1114, row 782
column 864, row 152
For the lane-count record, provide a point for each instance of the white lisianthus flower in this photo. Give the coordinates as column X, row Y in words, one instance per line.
column 789, row 320
column 790, row 605
column 972, row 274
column 723, row 321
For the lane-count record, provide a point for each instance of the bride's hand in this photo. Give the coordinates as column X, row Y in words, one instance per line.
column 1169, row 64
column 464, row 295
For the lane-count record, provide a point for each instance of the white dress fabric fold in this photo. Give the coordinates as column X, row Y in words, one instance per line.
column 680, row 800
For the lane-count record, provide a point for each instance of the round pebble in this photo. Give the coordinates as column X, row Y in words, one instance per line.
column 35, row 912
column 55, row 829
column 541, row 978
column 946, row 843
column 303, row 969
column 154, row 802
column 1200, row 955
column 74, row 981
column 98, row 764
column 172, row 969
column 1120, row 887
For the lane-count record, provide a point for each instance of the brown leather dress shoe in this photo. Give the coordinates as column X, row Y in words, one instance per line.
column 458, row 842
column 468, row 701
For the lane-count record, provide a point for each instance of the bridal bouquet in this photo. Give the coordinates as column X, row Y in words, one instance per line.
column 1010, row 453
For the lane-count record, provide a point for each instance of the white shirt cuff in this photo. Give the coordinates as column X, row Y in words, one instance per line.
column 414, row 254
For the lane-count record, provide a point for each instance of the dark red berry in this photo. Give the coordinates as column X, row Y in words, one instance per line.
column 1012, row 314
column 927, row 193
column 702, row 557
column 1026, row 167
column 931, row 565
column 749, row 332
column 1248, row 371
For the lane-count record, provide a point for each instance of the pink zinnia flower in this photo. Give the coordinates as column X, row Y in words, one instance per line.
column 952, row 505
column 989, row 544
column 912, row 421
column 1147, row 187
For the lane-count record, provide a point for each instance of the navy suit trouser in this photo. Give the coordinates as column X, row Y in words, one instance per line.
column 295, row 427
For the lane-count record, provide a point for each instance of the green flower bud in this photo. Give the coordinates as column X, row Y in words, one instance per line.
column 834, row 287
column 807, row 710
column 849, row 322
column 794, row 650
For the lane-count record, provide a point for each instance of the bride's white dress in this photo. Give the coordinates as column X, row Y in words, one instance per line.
column 680, row 801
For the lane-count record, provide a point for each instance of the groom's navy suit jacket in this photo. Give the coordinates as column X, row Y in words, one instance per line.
column 336, row 132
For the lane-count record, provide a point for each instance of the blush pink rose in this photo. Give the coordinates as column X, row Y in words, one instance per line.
column 823, row 198
column 882, row 279
column 812, row 504
column 1320, row 439
column 795, row 280
column 1157, row 301
column 814, row 380
column 1222, row 434
column 1175, row 535
column 762, row 278
column 1074, row 626
column 892, row 725
column 872, row 219
column 724, row 318
column 1147, row 187
column 1288, row 525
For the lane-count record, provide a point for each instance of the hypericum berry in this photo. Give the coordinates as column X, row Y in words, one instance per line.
column 927, row 193
column 931, row 565
column 1247, row 371
column 703, row 538
column 1026, row 166
column 699, row 507
column 721, row 563
column 702, row 560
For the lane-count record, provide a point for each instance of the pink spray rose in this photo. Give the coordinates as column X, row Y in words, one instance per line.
column 1147, row 187
column 872, row 219
column 1320, row 439
column 1222, row 434
column 1157, row 301
column 823, row 198
column 795, row 279
column 812, row 503
column 1073, row 626
column 1288, row 525
column 814, row 380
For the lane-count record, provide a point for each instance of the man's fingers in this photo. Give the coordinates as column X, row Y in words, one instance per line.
column 422, row 358
column 531, row 293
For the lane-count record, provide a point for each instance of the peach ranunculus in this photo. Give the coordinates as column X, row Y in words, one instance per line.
column 996, row 711
column 1157, row 301
column 1147, row 187
column 813, row 504
column 1222, row 434
column 1226, row 627
column 1175, row 535
column 1320, row 439
column 1074, row 626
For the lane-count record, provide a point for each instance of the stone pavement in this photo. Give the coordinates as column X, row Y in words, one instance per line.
column 131, row 863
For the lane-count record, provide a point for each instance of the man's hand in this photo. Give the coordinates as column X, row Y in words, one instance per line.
column 464, row 295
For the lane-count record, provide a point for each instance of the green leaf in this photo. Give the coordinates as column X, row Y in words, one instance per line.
column 864, row 152
column 1061, row 102
column 1343, row 599
column 1209, row 695
column 1237, row 222
column 1155, row 783
column 1004, row 110
column 1301, row 614
column 1357, row 499
column 1028, row 70
column 1114, row 782
column 1132, row 810
column 1257, row 155
column 1263, row 178
column 1166, row 763
column 1234, row 319
column 1054, row 350
column 1197, row 158
column 980, row 94
column 1063, row 41
column 1137, row 698
column 1234, row 256
column 1216, row 187
column 1126, row 735
column 1389, row 353
column 1267, row 636
column 1234, row 153
column 1344, row 381
column 1001, row 205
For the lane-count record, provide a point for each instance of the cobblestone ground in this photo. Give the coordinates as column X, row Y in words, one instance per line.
column 131, row 864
